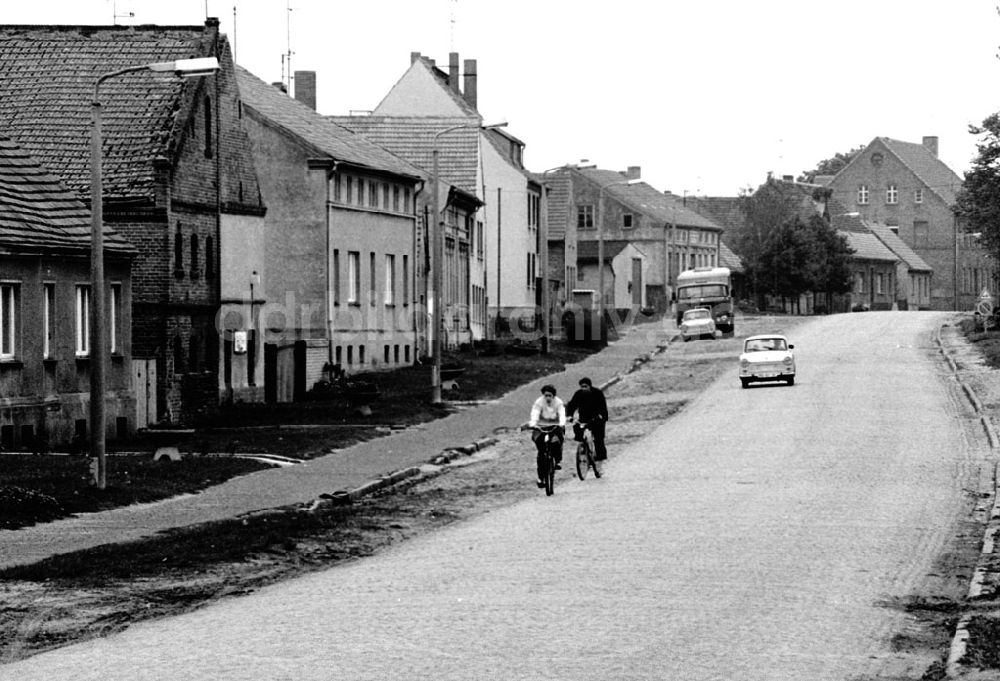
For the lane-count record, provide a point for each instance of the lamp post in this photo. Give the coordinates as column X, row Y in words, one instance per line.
column 600, row 251
column 185, row 68
column 437, row 254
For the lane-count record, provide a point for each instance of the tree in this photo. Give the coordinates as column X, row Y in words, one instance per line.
column 830, row 166
column 978, row 203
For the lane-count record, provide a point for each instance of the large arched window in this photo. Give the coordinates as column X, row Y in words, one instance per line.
column 208, row 127
column 209, row 257
column 194, row 256
column 179, row 252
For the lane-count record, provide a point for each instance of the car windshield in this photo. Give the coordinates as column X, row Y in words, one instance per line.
column 697, row 314
column 764, row 344
column 703, row 291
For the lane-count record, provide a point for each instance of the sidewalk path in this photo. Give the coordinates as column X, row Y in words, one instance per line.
column 347, row 469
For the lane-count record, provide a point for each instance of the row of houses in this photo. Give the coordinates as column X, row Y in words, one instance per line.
column 255, row 244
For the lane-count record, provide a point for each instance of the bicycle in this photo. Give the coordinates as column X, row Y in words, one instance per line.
column 546, row 459
column 585, row 453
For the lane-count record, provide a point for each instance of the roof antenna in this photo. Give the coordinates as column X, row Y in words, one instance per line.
column 452, row 21
column 287, row 57
column 116, row 16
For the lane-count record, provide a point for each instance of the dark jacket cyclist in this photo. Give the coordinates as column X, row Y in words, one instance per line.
column 590, row 407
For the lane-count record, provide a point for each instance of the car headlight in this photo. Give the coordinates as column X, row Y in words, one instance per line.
column 744, row 363
column 787, row 360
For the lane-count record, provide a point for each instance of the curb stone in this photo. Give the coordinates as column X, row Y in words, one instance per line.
column 959, row 642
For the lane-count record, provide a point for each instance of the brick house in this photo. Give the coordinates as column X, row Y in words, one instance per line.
column 45, row 287
column 337, row 280
column 485, row 163
column 671, row 236
column 178, row 173
column 906, row 187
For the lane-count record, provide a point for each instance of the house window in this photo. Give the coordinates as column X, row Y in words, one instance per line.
column 208, row 127
column 82, row 320
column 395, row 198
column 349, row 190
column 585, row 217
column 336, row 277
column 48, row 318
column 8, row 320
column 390, row 279
column 372, row 195
column 194, row 256
column 361, row 192
column 353, row 276
column 891, row 194
column 209, row 257
column 863, row 194
column 406, row 279
column 627, row 220
column 336, row 188
column 918, row 196
column 385, row 196
column 115, row 317
column 859, row 282
column 480, row 253
column 371, row 278
column 406, row 200
column 179, row 252
column 879, row 283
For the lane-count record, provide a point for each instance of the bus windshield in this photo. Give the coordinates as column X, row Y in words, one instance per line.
column 703, row 291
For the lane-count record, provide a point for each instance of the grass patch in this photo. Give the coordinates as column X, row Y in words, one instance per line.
column 36, row 489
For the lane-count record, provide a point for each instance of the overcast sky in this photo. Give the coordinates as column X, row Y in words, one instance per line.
column 707, row 96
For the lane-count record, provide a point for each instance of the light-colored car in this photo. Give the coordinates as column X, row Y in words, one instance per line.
column 767, row 357
column 697, row 323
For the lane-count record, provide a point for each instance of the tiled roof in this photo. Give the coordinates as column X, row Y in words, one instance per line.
column 320, row 132
column 38, row 213
column 938, row 177
column 412, row 138
column 643, row 198
column 729, row 259
column 868, row 247
column 47, row 84
column 557, row 202
column 898, row 246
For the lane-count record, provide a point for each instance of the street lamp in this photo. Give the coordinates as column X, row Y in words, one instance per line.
column 185, row 68
column 600, row 251
column 437, row 234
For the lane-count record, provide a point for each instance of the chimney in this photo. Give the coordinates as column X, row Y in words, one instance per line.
column 305, row 88
column 414, row 56
column 633, row 173
column 931, row 144
column 453, row 72
column 471, row 86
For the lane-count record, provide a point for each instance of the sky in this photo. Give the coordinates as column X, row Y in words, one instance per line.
column 706, row 96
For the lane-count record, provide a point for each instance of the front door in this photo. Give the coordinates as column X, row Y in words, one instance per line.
column 637, row 283
column 144, row 387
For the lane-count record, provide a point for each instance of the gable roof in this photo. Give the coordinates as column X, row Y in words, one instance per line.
column 929, row 169
column 643, row 198
column 413, row 138
column 423, row 66
column 557, row 202
column 729, row 259
column 319, row 132
column 868, row 247
column 47, row 86
column 38, row 213
column 892, row 241
column 938, row 177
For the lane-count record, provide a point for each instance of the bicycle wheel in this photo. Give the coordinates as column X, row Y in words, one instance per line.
column 583, row 458
column 550, row 475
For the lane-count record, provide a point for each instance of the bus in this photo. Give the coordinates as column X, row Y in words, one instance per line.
column 708, row 287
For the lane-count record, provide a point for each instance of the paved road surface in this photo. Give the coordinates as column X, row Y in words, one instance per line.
column 756, row 535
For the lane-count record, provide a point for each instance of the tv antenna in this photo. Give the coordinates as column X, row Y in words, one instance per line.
column 115, row 16
column 286, row 58
column 452, row 21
